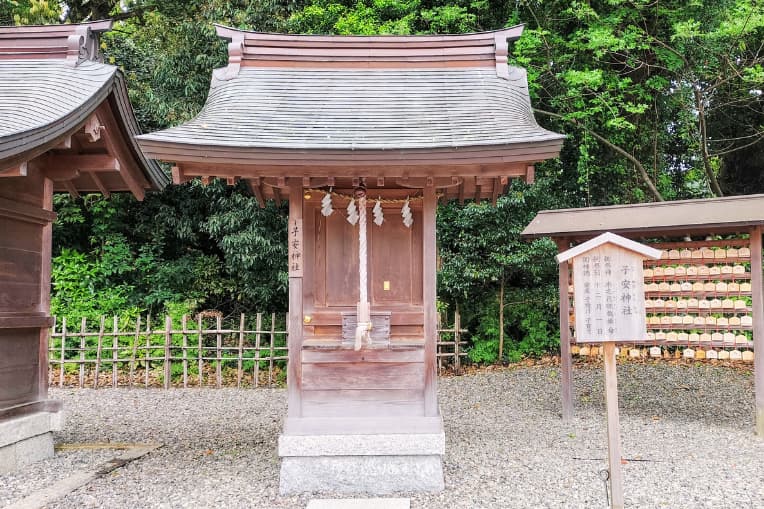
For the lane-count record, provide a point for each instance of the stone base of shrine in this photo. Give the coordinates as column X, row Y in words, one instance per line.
column 28, row 438
column 369, row 464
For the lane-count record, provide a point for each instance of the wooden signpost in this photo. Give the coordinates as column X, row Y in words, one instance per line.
column 609, row 298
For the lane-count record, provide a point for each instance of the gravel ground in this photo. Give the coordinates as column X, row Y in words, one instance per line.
column 687, row 430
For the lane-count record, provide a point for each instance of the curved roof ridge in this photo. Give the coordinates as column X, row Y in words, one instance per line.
column 265, row 49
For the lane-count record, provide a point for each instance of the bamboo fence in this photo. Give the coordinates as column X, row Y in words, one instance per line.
column 199, row 352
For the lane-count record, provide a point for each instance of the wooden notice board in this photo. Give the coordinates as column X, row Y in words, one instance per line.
column 609, row 289
column 609, row 295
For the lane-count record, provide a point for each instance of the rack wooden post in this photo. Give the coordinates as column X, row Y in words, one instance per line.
column 566, row 361
column 757, row 287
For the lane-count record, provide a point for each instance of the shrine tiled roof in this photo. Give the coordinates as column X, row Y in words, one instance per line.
column 51, row 82
column 413, row 99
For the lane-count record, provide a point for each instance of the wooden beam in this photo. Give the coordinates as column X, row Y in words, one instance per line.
column 223, row 169
column 566, row 361
column 380, row 181
column 255, row 187
column 461, row 193
column 62, row 174
column 306, row 182
column 72, row 190
column 429, row 291
column 277, row 196
column 231, row 181
column 758, row 326
column 294, row 367
column 84, row 162
column 478, row 192
column 99, row 184
column 15, row 171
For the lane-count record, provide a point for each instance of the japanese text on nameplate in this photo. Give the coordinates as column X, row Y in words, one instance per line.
column 295, row 248
column 609, row 296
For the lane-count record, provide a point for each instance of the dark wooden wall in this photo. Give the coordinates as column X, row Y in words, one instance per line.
column 340, row 382
column 25, row 243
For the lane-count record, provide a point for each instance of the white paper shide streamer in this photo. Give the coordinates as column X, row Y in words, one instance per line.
column 326, row 205
column 379, row 217
column 352, row 212
column 408, row 219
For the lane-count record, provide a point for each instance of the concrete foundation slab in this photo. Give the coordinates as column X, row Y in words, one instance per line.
column 27, row 439
column 377, row 475
column 362, row 503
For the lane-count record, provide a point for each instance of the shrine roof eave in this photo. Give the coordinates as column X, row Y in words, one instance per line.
column 671, row 218
column 270, row 162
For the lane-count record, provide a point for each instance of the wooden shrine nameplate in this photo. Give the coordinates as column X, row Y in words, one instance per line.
column 295, row 248
column 609, row 295
column 609, row 289
column 380, row 329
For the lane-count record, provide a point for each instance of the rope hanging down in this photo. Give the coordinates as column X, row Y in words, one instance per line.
column 363, row 313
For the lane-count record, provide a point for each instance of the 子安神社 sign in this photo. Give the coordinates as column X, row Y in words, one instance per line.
column 608, row 289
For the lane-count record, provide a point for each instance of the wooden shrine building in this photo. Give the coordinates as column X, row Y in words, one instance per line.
column 65, row 126
column 703, row 295
column 338, row 125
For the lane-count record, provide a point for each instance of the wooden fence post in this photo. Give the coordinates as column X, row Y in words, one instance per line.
column 273, row 337
column 218, row 352
column 167, row 352
column 457, row 340
column 134, row 351
column 114, row 351
column 83, row 327
column 241, row 352
column 183, row 322
column 201, row 349
column 259, row 327
column 148, row 350
column 98, row 351
column 63, row 353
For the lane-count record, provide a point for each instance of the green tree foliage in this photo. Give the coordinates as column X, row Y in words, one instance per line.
column 659, row 99
column 657, row 93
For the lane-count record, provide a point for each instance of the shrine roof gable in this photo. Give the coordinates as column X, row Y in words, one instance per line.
column 637, row 249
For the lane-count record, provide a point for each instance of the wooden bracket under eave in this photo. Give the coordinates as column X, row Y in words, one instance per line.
column 93, row 128
column 179, row 176
column 256, row 188
column 19, row 170
column 530, row 174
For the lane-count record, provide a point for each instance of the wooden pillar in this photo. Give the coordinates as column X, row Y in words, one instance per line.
column 429, row 295
column 758, row 326
column 46, row 248
column 294, row 368
column 566, row 362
